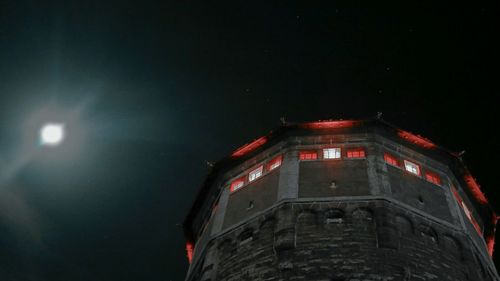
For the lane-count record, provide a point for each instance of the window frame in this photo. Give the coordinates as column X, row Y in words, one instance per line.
column 360, row 150
column 388, row 158
column 466, row 210
column 232, row 186
column 337, row 151
column 308, row 152
column 433, row 178
column 410, row 163
column 259, row 172
column 274, row 163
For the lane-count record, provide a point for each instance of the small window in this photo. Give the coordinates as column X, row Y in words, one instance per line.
column 476, row 225
column 433, row 177
column 412, row 168
column 308, row 155
column 468, row 213
column 255, row 174
column 237, row 184
column 466, row 210
column 275, row 163
column 331, row 153
column 356, row 153
column 455, row 193
column 391, row 160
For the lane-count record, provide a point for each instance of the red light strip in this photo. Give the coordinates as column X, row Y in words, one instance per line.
column 475, row 189
column 416, row 139
column 249, row 147
column 330, row 124
column 189, row 251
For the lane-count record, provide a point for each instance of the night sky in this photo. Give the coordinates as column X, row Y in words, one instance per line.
column 151, row 91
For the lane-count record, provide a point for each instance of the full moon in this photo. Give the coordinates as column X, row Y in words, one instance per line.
column 51, row 134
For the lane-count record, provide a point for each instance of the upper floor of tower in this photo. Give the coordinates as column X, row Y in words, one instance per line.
column 341, row 160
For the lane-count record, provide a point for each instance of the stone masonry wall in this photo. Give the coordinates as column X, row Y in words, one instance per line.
column 341, row 241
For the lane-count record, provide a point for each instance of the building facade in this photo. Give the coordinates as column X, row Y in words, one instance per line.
column 341, row 201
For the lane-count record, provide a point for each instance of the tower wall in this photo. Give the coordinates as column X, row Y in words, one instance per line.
column 355, row 240
column 339, row 219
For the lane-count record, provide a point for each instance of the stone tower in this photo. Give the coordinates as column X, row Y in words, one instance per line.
column 341, row 201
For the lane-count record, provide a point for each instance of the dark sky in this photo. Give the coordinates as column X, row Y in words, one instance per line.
column 150, row 90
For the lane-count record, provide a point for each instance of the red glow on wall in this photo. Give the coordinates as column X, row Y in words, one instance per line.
column 356, row 153
column 390, row 159
column 308, row 155
column 249, row 147
column 475, row 189
column 189, row 251
column 331, row 124
column 416, row 139
column 432, row 177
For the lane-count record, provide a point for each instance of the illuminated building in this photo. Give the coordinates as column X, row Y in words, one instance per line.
column 341, row 201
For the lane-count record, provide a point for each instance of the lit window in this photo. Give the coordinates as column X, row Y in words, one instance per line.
column 476, row 225
column 237, row 184
column 432, row 177
column 356, row 153
column 275, row 163
column 412, row 168
column 391, row 160
column 471, row 218
column 467, row 212
column 331, row 153
column 308, row 155
column 255, row 174
column 455, row 193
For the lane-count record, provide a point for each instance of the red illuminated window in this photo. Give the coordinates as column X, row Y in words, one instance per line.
column 356, row 153
column 432, row 177
column 466, row 210
column 412, row 168
column 468, row 213
column 308, row 155
column 455, row 193
column 476, row 226
column 237, row 184
column 391, row 160
column 275, row 163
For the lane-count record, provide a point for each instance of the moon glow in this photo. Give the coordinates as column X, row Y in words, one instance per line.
column 51, row 134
